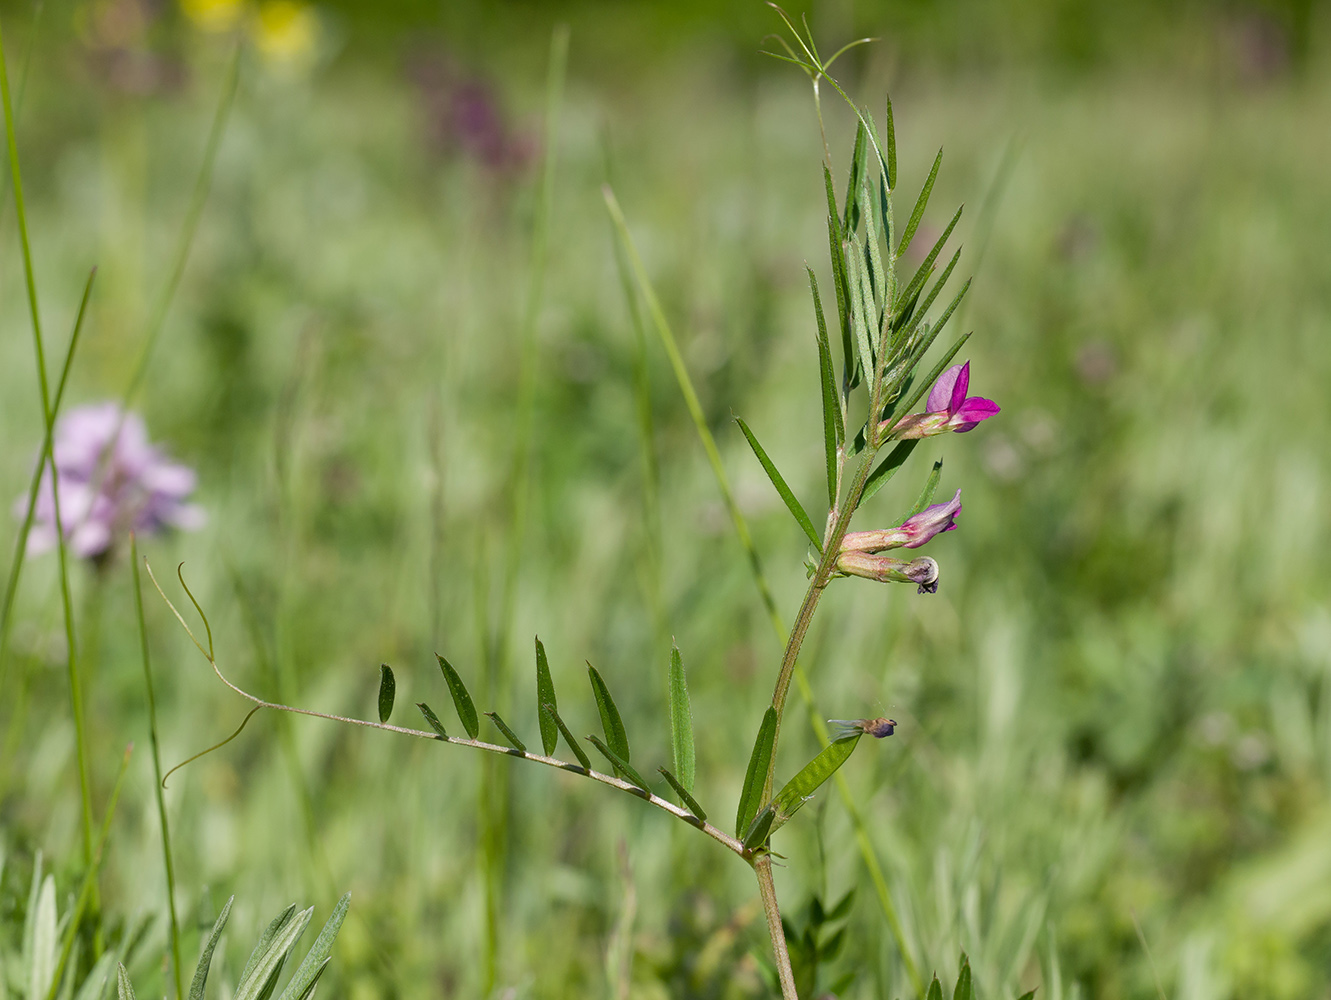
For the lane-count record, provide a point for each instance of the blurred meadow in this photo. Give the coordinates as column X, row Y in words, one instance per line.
column 1112, row 774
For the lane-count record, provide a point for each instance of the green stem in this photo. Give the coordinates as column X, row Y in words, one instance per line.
column 21, row 543
column 48, row 414
column 762, row 867
column 157, row 771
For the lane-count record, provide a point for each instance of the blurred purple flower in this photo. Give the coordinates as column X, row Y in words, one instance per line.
column 465, row 114
column 948, row 408
column 110, row 480
column 911, row 534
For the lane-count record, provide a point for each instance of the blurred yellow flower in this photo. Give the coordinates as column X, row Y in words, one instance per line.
column 286, row 31
column 213, row 15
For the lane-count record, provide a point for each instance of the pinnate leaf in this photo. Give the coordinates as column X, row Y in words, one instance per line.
column 681, row 721
column 387, row 691
column 615, row 736
column 461, row 699
column 810, row 777
column 756, row 775
column 545, row 695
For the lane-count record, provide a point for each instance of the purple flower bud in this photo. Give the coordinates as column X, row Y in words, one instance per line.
column 923, row 571
column 947, row 409
column 110, row 480
column 912, row 533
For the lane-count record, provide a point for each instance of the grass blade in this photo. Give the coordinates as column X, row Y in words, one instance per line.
column 432, row 719
column 263, row 974
column 620, row 765
column 887, row 468
column 387, row 691
column 681, row 721
column 917, row 214
column 690, row 803
column 200, row 981
column 756, row 774
column 461, row 699
column 545, row 695
column 34, row 486
column 613, row 725
column 124, row 988
column 569, row 738
column 834, row 429
column 965, row 989
column 686, row 389
column 274, row 928
column 509, row 735
column 793, row 505
column 935, row 990
column 810, row 778
column 309, row 970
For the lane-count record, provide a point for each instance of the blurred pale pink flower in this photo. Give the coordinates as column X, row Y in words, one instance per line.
column 111, row 480
column 912, row 533
column 948, row 408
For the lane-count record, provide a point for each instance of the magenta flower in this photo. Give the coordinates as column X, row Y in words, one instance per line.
column 947, row 409
column 912, row 533
column 111, row 480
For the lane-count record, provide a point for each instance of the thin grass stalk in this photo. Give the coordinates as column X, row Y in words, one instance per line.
column 25, row 64
column 48, row 416
column 34, row 486
column 185, row 240
column 158, row 791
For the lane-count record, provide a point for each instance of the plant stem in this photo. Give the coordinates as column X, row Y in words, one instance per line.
column 48, row 415
column 762, row 867
column 157, row 772
column 804, row 619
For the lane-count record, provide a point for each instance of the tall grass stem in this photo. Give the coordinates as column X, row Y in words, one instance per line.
column 158, row 791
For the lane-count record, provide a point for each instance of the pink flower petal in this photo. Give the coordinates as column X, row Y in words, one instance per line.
column 972, row 411
column 959, row 388
column 940, row 396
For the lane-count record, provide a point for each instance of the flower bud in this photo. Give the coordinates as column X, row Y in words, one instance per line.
column 922, row 572
column 912, row 533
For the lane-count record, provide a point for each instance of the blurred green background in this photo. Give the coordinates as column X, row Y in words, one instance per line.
column 1113, row 768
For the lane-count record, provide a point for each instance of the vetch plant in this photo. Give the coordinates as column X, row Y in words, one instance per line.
column 886, row 333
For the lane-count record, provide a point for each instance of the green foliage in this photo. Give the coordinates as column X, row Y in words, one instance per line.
column 387, row 692
column 761, row 756
column 681, row 724
column 545, row 696
column 462, row 702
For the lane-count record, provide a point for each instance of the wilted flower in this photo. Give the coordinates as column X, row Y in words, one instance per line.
column 884, row 569
column 948, row 408
column 913, row 532
column 110, row 480
column 877, row 728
